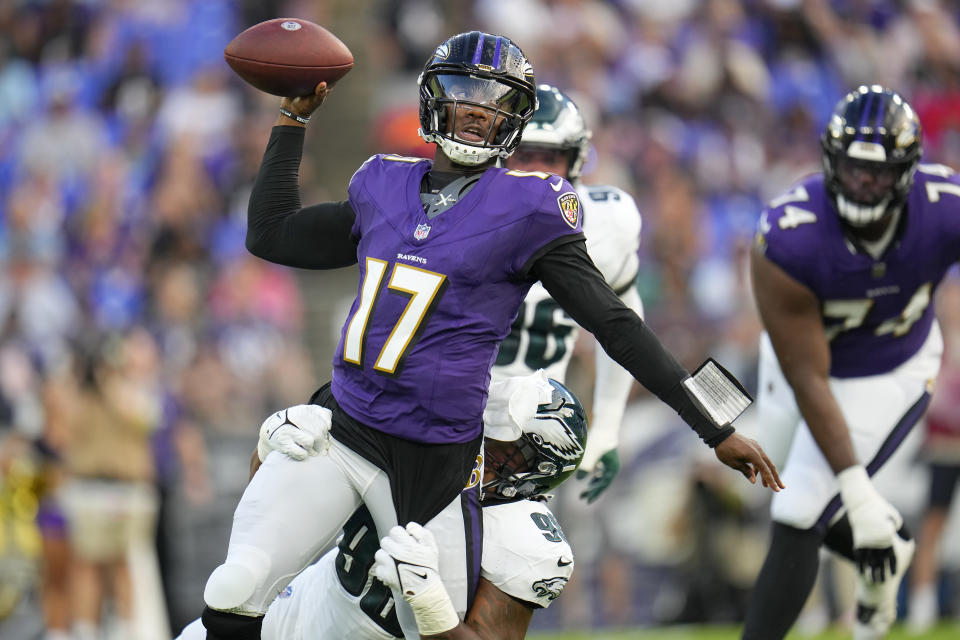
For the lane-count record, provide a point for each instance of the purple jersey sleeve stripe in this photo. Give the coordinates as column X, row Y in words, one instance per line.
column 893, row 441
column 496, row 53
column 478, row 53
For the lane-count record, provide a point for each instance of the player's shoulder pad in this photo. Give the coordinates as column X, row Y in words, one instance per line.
column 526, row 554
column 614, row 204
column 939, row 184
column 535, row 183
column 604, row 193
column 383, row 163
column 389, row 160
column 546, row 192
column 793, row 217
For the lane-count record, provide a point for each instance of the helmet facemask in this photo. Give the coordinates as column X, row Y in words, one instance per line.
column 510, row 465
column 866, row 190
column 458, row 103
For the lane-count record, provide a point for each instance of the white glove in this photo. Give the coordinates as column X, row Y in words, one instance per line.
column 296, row 432
column 874, row 523
column 407, row 562
column 512, row 403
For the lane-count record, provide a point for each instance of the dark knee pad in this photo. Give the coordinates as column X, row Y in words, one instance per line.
column 221, row 625
column 784, row 583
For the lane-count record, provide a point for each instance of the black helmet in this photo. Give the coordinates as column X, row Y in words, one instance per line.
column 558, row 124
column 483, row 71
column 547, row 453
column 871, row 148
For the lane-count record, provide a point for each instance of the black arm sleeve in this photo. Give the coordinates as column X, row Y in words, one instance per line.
column 278, row 229
column 569, row 275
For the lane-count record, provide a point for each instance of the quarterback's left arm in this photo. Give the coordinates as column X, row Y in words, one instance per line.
column 569, row 275
column 610, row 392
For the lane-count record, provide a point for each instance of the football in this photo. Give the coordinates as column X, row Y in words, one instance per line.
column 288, row 56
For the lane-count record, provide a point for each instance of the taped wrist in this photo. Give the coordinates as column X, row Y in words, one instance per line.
column 709, row 401
column 433, row 610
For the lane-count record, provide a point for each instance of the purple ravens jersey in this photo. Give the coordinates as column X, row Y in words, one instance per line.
column 876, row 312
column 437, row 295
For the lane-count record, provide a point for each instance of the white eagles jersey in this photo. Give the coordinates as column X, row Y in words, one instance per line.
column 543, row 335
column 525, row 555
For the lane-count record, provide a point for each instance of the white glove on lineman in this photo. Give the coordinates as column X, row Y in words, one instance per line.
column 407, row 562
column 296, row 432
column 874, row 522
column 512, row 403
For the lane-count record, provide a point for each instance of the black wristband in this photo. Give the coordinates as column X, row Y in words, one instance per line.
column 719, row 436
column 294, row 116
column 689, row 410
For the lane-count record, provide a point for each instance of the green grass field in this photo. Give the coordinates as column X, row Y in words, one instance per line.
column 943, row 632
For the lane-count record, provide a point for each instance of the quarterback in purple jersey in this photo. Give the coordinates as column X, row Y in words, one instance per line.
column 845, row 268
column 446, row 252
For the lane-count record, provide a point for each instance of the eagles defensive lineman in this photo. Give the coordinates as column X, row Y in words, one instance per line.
column 526, row 558
column 556, row 141
column 845, row 268
column 446, row 251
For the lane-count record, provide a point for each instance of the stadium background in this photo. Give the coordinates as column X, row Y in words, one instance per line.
column 127, row 151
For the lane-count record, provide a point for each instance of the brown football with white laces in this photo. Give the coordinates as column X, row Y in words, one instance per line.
column 288, row 56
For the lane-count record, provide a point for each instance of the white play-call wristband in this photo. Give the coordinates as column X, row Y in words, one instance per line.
column 719, row 394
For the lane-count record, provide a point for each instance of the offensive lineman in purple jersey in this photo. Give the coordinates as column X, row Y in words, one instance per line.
column 844, row 269
column 446, row 252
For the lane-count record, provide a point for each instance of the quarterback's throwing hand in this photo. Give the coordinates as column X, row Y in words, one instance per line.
column 749, row 458
column 304, row 106
column 296, row 432
column 407, row 562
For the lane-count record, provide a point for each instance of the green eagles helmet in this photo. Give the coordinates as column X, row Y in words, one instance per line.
column 558, row 124
column 547, row 453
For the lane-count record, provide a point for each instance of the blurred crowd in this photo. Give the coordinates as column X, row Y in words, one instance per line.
column 142, row 345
